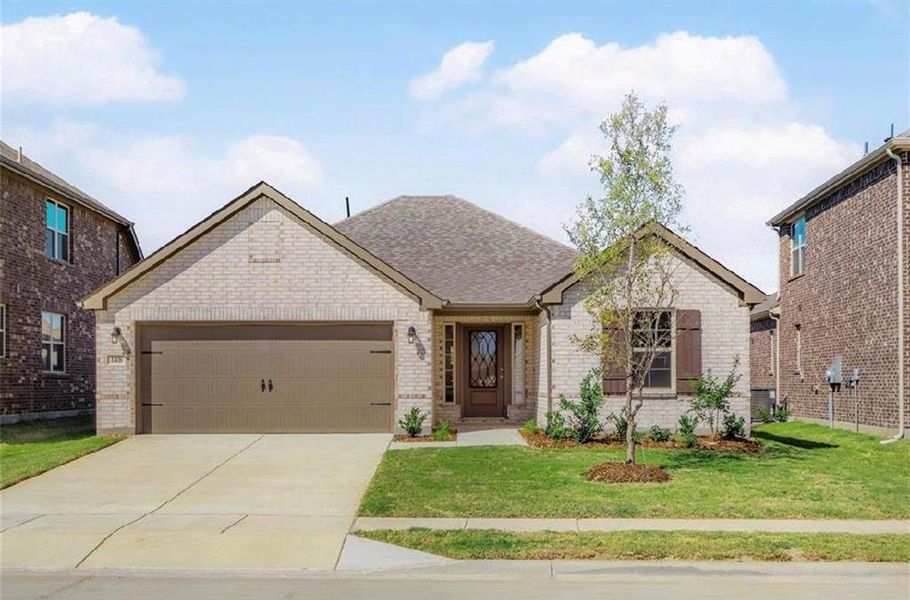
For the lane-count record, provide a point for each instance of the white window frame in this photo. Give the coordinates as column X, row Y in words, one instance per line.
column 56, row 254
column 798, row 250
column 518, row 364
column 2, row 330
column 449, row 349
column 671, row 389
column 53, row 343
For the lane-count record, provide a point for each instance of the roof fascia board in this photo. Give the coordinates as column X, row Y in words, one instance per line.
column 97, row 300
column 748, row 293
column 844, row 177
column 30, row 175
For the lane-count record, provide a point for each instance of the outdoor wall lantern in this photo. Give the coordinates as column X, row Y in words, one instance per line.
column 116, row 336
column 412, row 334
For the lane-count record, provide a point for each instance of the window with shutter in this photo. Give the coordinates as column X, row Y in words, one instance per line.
column 688, row 350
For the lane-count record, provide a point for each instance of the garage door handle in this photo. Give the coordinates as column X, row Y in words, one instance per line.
column 380, row 404
column 262, row 385
column 270, row 385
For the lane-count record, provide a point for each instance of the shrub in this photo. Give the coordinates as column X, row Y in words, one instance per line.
column 659, row 434
column 443, row 431
column 584, row 422
column 531, row 426
column 685, row 431
column 764, row 415
column 620, row 423
column 782, row 414
column 412, row 422
column 556, row 426
column 734, row 427
column 710, row 400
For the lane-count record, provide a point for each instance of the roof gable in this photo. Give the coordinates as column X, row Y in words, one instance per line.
column 461, row 252
column 98, row 299
column 748, row 293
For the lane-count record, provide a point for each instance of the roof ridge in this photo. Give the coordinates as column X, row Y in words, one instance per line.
column 464, row 201
column 515, row 223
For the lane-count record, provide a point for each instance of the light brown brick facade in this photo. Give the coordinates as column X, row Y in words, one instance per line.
column 214, row 279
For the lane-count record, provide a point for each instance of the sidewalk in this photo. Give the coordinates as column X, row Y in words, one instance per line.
column 747, row 525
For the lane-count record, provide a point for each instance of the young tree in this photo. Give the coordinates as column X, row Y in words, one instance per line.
column 629, row 270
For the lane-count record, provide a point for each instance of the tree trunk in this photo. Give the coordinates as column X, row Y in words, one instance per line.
column 630, row 426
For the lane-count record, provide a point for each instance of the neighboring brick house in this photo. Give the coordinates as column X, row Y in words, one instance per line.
column 763, row 355
column 264, row 318
column 57, row 244
column 839, row 287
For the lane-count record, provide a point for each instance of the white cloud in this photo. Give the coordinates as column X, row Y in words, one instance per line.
column 462, row 64
column 81, row 59
column 166, row 184
column 741, row 150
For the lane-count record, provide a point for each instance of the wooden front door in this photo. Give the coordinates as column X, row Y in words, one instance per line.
column 484, row 372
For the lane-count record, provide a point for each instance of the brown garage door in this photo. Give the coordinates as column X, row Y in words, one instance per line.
column 266, row 378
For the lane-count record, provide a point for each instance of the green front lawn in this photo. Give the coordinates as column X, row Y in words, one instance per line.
column 650, row 545
column 805, row 471
column 28, row 449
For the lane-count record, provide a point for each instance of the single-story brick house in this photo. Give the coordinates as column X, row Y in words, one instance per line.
column 265, row 318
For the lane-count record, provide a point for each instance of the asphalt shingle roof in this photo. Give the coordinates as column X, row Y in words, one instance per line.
column 459, row 251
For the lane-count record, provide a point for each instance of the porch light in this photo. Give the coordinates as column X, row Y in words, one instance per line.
column 116, row 335
column 412, row 334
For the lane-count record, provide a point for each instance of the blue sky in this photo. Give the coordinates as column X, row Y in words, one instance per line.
column 166, row 110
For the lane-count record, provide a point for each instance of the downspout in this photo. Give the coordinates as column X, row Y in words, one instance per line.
column 776, row 319
column 546, row 309
column 900, row 298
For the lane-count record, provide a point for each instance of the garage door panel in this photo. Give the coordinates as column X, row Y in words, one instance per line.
column 202, row 380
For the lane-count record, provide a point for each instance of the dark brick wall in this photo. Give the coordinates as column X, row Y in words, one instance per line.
column 761, row 341
column 30, row 283
column 846, row 304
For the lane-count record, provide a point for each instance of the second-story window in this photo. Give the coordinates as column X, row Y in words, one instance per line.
column 56, row 230
column 798, row 248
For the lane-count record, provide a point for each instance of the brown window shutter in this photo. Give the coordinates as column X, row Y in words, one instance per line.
column 688, row 350
column 614, row 382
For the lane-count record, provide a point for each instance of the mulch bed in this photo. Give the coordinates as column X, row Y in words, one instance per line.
column 617, row 472
column 540, row 440
column 403, row 437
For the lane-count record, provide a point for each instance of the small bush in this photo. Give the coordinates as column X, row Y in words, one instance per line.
column 685, row 431
column 584, row 422
column 556, row 426
column 764, row 415
column 620, row 423
column 734, row 427
column 443, row 431
column 782, row 415
column 412, row 422
column 659, row 434
column 711, row 397
column 531, row 426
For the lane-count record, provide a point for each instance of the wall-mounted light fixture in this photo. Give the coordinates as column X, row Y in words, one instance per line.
column 116, row 336
column 412, row 334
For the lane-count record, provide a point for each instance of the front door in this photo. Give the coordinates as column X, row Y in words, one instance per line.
column 484, row 373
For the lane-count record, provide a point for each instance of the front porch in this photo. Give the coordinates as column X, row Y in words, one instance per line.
column 486, row 368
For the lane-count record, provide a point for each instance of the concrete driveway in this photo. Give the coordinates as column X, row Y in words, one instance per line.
column 194, row 501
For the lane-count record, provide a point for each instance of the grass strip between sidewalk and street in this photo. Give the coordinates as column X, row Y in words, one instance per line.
column 487, row 544
column 31, row 448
